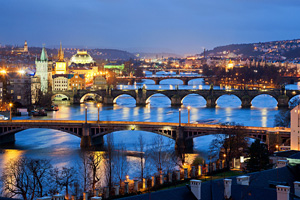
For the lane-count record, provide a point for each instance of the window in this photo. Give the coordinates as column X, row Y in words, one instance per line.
column 12, row 91
column 19, row 97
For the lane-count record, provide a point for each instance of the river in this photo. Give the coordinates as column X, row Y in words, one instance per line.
column 63, row 149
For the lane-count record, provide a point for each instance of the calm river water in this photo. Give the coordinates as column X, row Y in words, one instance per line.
column 63, row 149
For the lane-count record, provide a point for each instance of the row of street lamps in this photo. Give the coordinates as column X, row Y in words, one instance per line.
column 98, row 106
column 189, row 114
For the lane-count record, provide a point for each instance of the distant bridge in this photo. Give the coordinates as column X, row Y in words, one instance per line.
column 157, row 80
column 92, row 132
column 142, row 96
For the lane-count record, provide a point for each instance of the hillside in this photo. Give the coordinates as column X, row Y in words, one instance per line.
column 283, row 49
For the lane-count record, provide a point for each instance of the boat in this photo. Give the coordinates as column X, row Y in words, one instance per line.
column 52, row 108
column 37, row 113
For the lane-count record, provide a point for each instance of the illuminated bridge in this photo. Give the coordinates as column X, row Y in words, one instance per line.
column 157, row 80
column 142, row 95
column 92, row 132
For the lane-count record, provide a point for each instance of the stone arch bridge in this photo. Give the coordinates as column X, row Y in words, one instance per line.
column 157, row 80
column 142, row 96
column 92, row 132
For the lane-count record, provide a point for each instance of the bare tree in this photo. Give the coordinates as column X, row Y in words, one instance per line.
column 120, row 163
column 65, row 178
column 25, row 177
column 109, row 160
column 94, row 162
column 40, row 169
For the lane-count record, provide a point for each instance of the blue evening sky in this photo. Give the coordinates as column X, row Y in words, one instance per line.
column 177, row 26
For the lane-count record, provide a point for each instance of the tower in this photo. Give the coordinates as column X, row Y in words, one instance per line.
column 25, row 47
column 60, row 65
column 60, row 54
column 42, row 70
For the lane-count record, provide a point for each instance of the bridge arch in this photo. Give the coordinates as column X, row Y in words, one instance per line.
column 148, row 81
column 60, row 97
column 135, row 133
column 195, row 80
column 158, row 95
column 294, row 100
column 130, row 97
column 231, row 100
column 90, row 97
column 197, row 99
column 180, row 82
column 264, row 100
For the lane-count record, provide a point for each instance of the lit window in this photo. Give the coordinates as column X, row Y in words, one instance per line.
column 18, row 97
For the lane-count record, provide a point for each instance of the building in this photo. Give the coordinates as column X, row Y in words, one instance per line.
column 76, row 81
column 19, row 88
column 60, row 82
column 99, row 83
column 42, row 70
column 25, row 50
column 82, row 57
column 35, row 89
column 295, row 128
column 60, row 65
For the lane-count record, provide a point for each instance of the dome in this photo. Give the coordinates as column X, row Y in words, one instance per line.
column 82, row 57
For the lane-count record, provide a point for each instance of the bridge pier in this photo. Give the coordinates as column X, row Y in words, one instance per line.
column 176, row 101
column 86, row 138
column 7, row 139
column 108, row 100
column 183, row 145
column 211, row 102
column 246, row 102
column 98, row 142
column 157, row 81
column 140, row 101
column 185, row 82
column 283, row 101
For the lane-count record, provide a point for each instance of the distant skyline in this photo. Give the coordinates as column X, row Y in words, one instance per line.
column 173, row 26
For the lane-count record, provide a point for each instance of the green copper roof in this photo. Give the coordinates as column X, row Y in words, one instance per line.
column 44, row 56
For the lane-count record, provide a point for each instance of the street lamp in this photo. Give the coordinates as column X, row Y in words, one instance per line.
column 179, row 116
column 86, row 114
column 10, row 105
column 98, row 105
column 189, row 107
column 277, row 147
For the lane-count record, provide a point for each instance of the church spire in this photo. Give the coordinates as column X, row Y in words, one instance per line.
column 60, row 54
column 44, row 56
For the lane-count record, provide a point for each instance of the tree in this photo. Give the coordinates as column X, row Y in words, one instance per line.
column 25, row 177
column 120, row 163
column 233, row 139
column 283, row 118
column 141, row 147
column 109, row 160
column 65, row 178
column 259, row 157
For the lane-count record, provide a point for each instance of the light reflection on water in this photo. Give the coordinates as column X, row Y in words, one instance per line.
column 63, row 149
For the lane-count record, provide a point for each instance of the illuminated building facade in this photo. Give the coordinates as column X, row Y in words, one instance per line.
column 35, row 88
column 60, row 65
column 82, row 57
column 295, row 128
column 76, row 81
column 60, row 82
column 41, row 65
column 99, row 83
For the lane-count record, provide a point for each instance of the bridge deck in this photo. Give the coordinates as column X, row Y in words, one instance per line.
column 77, row 122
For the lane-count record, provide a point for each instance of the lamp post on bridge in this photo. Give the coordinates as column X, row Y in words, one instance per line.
column 86, row 114
column 189, row 108
column 10, row 105
column 98, row 105
column 179, row 116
